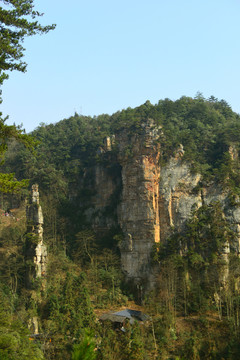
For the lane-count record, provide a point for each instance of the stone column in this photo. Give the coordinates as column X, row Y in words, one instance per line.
column 36, row 250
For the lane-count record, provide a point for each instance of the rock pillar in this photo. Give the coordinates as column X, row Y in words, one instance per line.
column 138, row 212
column 36, row 251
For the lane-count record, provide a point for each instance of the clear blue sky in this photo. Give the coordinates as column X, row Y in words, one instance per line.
column 108, row 55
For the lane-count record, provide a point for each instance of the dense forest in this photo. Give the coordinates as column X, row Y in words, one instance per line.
column 191, row 314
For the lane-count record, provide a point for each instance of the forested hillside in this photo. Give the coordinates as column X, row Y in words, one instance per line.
column 205, row 128
column 194, row 314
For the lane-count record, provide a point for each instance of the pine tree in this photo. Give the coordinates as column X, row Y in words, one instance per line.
column 15, row 26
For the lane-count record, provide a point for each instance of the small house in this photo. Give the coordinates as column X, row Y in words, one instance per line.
column 119, row 318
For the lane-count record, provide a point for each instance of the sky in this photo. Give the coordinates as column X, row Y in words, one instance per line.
column 109, row 55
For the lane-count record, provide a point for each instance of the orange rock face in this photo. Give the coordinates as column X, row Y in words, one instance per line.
column 138, row 211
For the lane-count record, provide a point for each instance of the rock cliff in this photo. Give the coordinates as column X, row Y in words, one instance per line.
column 138, row 211
column 155, row 199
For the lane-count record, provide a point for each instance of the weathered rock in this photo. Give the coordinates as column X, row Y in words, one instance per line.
column 109, row 141
column 33, row 325
column 154, row 200
column 138, row 212
column 37, row 250
column 177, row 197
column 152, row 206
column 106, row 185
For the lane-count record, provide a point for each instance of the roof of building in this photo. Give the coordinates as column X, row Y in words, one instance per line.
column 112, row 317
column 121, row 316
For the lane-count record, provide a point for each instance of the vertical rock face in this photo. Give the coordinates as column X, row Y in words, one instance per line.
column 177, row 196
column 101, row 213
column 105, row 188
column 37, row 251
column 138, row 213
column 155, row 200
column 180, row 193
column 109, row 142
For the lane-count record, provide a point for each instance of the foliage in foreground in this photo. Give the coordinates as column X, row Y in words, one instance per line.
column 85, row 350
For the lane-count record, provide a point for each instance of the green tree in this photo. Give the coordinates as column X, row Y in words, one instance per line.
column 17, row 21
column 86, row 349
column 15, row 26
column 14, row 336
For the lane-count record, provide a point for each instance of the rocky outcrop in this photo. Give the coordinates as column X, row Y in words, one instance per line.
column 177, row 196
column 154, row 200
column 159, row 200
column 180, row 194
column 36, row 251
column 138, row 212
